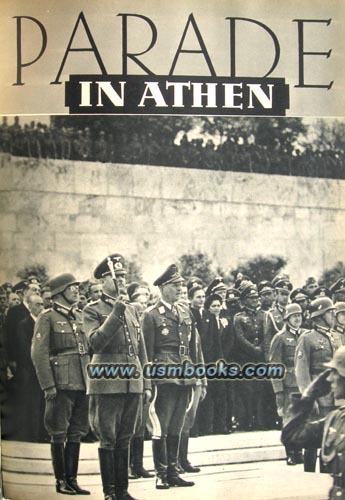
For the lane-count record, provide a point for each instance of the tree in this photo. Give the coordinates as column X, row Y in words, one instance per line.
column 134, row 272
column 261, row 268
column 197, row 264
column 38, row 270
column 332, row 274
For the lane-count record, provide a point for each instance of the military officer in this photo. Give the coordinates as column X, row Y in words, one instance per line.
column 60, row 355
column 301, row 428
column 266, row 293
column 274, row 318
column 113, row 330
column 315, row 348
column 169, row 333
column 282, row 350
column 248, row 326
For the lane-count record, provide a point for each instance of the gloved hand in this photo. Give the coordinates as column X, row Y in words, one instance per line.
column 50, row 394
column 319, row 386
column 280, row 399
column 119, row 307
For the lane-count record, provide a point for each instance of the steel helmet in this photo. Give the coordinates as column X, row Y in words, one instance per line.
column 59, row 283
column 320, row 306
column 292, row 309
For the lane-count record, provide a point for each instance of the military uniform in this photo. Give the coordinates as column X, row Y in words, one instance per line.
column 274, row 322
column 114, row 340
column 248, row 326
column 169, row 332
column 326, row 433
column 59, row 353
column 313, row 350
column 60, row 356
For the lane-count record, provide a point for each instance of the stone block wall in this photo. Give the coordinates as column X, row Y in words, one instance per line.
column 69, row 215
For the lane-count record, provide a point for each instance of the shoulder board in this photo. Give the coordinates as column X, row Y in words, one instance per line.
column 150, row 308
column 92, row 303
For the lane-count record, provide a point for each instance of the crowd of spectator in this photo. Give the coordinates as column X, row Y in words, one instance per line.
column 234, row 153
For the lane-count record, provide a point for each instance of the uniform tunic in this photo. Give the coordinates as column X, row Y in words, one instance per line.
column 313, row 350
column 114, row 401
column 59, row 352
column 170, row 339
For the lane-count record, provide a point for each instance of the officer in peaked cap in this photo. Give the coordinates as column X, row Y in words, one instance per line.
column 248, row 326
column 233, row 303
column 169, row 331
column 113, row 329
column 266, row 293
column 282, row 351
column 315, row 348
column 310, row 286
column 338, row 290
column 60, row 356
column 302, row 427
column 217, row 286
column 274, row 321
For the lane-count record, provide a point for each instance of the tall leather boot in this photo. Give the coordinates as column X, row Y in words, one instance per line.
column 71, row 463
column 173, row 477
column 299, row 456
column 107, row 467
column 137, row 463
column 183, row 455
column 160, row 460
column 58, row 460
column 121, row 474
column 290, row 456
column 310, row 457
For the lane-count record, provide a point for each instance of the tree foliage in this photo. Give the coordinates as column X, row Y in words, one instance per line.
column 196, row 264
column 332, row 274
column 261, row 267
column 37, row 269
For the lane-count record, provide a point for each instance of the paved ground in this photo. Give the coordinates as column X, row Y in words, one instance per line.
column 242, row 466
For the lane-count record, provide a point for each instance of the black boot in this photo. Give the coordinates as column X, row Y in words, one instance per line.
column 290, row 457
column 310, row 457
column 172, row 474
column 58, row 459
column 160, row 460
column 107, row 467
column 183, row 455
column 71, row 463
column 121, row 474
column 299, row 456
column 137, row 462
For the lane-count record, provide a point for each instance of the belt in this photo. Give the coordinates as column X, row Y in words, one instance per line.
column 123, row 350
column 184, row 350
column 73, row 350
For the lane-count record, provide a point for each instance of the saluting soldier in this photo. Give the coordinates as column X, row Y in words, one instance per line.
column 315, row 348
column 60, row 355
column 113, row 330
column 282, row 350
column 301, row 428
column 169, row 333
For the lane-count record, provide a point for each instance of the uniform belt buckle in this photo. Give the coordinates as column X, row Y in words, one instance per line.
column 131, row 350
column 183, row 350
column 81, row 349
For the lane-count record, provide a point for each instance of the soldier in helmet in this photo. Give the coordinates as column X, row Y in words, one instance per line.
column 315, row 348
column 299, row 296
column 339, row 326
column 338, row 290
column 302, row 428
column 113, row 329
column 283, row 347
column 60, row 356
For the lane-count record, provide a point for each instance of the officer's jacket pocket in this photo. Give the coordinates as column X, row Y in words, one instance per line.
column 60, row 367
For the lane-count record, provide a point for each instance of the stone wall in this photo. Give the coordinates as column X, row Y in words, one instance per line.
column 69, row 215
